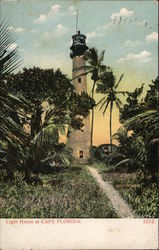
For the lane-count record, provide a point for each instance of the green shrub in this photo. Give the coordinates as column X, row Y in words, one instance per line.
column 65, row 192
column 144, row 200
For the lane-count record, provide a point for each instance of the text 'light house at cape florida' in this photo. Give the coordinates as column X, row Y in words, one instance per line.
column 79, row 141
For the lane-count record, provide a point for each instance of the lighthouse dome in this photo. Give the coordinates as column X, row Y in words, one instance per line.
column 79, row 45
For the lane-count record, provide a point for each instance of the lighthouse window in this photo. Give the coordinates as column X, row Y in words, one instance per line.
column 79, row 79
column 81, row 154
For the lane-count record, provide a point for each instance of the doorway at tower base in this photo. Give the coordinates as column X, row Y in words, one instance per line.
column 79, row 146
column 78, row 142
column 80, row 156
column 80, row 152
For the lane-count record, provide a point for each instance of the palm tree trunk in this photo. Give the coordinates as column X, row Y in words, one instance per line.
column 111, row 108
column 92, row 120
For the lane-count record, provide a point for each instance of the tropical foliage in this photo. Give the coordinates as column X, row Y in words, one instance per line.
column 145, row 129
column 96, row 68
column 37, row 105
column 109, row 88
column 13, row 139
column 54, row 105
column 133, row 105
column 60, row 193
column 9, row 57
column 133, row 165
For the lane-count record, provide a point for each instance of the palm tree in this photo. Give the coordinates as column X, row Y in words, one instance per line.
column 13, row 138
column 9, row 58
column 108, row 87
column 148, row 116
column 95, row 67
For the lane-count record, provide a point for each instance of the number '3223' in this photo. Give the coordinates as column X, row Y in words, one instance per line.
column 148, row 221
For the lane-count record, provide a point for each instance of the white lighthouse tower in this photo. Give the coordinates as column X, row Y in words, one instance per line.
column 79, row 141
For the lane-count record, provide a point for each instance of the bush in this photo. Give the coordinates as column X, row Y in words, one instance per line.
column 102, row 153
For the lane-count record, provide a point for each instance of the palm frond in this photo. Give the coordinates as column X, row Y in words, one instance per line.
column 101, row 57
column 120, row 134
column 9, row 59
column 46, row 137
column 149, row 116
column 102, row 88
column 106, row 106
column 104, row 103
column 94, row 55
column 102, row 99
column 118, row 103
column 121, row 77
column 91, row 56
column 123, row 162
column 123, row 92
column 63, row 157
column 102, row 68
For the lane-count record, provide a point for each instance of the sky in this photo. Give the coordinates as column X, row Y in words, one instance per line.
column 126, row 30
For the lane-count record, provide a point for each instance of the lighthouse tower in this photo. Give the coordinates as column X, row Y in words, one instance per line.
column 79, row 141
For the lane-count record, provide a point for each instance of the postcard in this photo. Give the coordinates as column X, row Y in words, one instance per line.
column 79, row 124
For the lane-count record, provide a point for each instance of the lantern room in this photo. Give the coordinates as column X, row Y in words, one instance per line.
column 79, row 45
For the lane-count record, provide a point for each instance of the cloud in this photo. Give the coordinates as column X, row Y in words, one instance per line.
column 142, row 23
column 45, row 39
column 144, row 56
column 10, row 28
column 122, row 13
column 152, row 37
column 41, row 19
column 12, row 47
column 60, row 29
column 55, row 8
column 91, row 35
column 44, row 17
column 105, row 26
column 131, row 44
column 71, row 10
column 19, row 30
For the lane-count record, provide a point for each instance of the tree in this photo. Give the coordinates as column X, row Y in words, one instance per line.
column 12, row 136
column 133, row 105
column 144, row 123
column 46, row 85
column 64, row 106
column 9, row 58
column 108, row 87
column 151, row 98
column 95, row 67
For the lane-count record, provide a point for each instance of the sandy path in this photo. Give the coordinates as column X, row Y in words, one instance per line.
column 118, row 203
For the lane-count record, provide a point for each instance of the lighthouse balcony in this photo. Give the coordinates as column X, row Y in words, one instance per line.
column 78, row 50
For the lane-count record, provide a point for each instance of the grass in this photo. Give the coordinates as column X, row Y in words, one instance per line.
column 101, row 167
column 57, row 193
column 141, row 196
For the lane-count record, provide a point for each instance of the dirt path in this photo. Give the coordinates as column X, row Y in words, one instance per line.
column 118, row 203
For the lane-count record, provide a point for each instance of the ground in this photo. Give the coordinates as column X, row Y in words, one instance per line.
column 120, row 206
column 75, row 192
column 59, row 192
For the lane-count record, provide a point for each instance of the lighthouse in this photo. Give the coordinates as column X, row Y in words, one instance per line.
column 79, row 141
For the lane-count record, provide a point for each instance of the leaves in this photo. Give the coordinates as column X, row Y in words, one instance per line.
column 44, row 141
column 133, row 106
column 107, row 87
column 9, row 59
column 149, row 116
column 120, row 79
